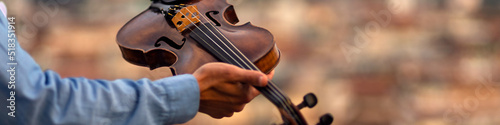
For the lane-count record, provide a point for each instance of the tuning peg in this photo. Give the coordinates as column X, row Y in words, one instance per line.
column 326, row 119
column 310, row 101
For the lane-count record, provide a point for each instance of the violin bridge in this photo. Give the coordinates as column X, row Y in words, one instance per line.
column 187, row 15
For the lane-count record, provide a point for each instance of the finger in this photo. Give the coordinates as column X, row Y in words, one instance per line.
column 244, row 97
column 216, row 112
column 232, row 73
column 223, row 105
column 270, row 75
column 215, row 95
column 254, row 78
column 233, row 98
column 239, row 91
column 235, row 89
column 223, row 96
column 254, row 92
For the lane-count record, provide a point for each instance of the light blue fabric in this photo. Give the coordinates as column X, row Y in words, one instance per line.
column 45, row 98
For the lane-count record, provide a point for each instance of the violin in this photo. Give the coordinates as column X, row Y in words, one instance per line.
column 185, row 34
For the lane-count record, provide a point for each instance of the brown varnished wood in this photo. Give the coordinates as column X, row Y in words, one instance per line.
column 137, row 38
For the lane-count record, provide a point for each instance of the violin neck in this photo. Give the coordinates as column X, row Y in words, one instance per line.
column 219, row 46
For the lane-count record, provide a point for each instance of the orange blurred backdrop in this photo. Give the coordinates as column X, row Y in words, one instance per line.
column 370, row 62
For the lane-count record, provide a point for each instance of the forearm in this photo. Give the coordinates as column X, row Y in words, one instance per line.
column 81, row 101
column 45, row 98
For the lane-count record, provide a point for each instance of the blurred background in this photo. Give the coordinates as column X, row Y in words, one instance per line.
column 370, row 62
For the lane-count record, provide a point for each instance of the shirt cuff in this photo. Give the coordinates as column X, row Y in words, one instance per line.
column 183, row 97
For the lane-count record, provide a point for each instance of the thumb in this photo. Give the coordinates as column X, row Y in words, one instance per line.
column 251, row 77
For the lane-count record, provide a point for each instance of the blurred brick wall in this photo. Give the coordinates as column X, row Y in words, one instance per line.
column 422, row 68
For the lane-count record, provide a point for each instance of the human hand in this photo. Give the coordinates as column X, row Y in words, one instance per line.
column 225, row 88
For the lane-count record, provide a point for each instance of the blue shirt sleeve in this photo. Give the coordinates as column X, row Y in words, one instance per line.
column 31, row 96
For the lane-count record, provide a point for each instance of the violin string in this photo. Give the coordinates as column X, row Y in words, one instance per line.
column 239, row 57
column 287, row 107
column 207, row 37
column 279, row 94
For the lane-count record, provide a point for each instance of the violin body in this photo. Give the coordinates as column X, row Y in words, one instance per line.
column 159, row 44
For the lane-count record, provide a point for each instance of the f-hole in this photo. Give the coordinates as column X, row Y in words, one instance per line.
column 169, row 42
column 212, row 18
